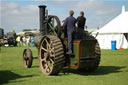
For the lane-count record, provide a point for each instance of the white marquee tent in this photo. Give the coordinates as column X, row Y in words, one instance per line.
column 117, row 29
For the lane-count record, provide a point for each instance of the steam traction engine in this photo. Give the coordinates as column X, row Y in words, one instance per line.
column 52, row 48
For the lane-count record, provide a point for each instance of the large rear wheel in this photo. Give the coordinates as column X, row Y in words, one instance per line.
column 92, row 66
column 51, row 55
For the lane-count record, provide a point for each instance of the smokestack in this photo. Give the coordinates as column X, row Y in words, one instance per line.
column 42, row 19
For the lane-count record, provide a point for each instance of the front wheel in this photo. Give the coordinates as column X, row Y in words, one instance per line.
column 27, row 58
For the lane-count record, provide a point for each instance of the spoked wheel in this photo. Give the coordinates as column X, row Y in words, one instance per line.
column 27, row 58
column 54, row 26
column 51, row 55
column 92, row 66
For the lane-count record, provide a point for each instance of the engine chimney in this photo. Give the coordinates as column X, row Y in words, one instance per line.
column 42, row 19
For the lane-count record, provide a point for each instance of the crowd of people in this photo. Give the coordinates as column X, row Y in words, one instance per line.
column 25, row 41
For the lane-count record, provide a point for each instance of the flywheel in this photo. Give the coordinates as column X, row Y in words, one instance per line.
column 54, row 26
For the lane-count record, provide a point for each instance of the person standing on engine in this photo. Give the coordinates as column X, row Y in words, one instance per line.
column 69, row 23
column 81, row 21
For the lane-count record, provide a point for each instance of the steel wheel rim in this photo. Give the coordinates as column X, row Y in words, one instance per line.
column 47, row 55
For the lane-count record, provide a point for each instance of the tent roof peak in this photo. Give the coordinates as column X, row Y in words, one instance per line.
column 123, row 9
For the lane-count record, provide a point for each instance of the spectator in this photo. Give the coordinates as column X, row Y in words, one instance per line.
column 21, row 40
column 24, row 41
column 33, row 42
column 27, row 42
column 18, row 40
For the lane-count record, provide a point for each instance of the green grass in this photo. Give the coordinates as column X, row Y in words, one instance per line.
column 113, row 70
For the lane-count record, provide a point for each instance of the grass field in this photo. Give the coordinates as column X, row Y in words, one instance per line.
column 113, row 70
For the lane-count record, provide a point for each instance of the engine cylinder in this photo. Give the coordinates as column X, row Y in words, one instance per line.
column 37, row 40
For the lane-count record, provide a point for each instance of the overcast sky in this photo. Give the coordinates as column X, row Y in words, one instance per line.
column 24, row 14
